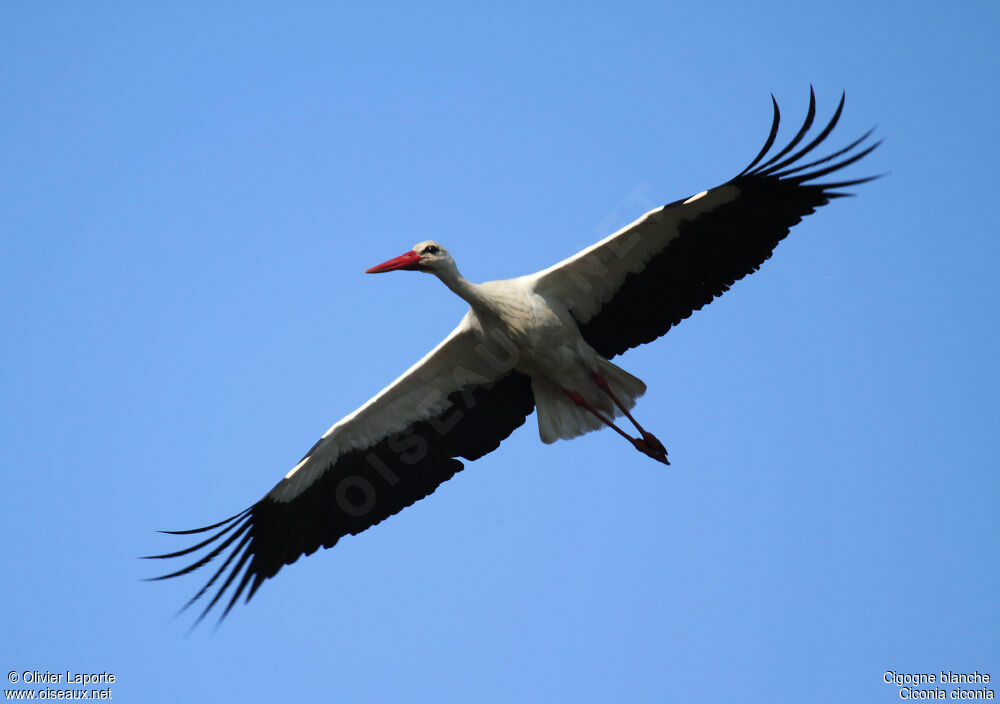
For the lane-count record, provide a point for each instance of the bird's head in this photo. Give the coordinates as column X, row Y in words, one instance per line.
column 426, row 256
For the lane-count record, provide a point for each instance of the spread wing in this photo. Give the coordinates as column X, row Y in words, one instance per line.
column 461, row 400
column 634, row 285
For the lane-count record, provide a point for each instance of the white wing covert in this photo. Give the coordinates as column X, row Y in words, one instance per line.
column 633, row 286
column 461, row 400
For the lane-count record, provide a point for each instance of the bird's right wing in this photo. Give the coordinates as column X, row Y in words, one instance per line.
column 634, row 285
column 461, row 400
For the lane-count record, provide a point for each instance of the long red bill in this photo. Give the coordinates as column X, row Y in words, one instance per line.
column 410, row 260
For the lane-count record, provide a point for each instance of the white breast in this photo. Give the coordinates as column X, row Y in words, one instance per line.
column 546, row 337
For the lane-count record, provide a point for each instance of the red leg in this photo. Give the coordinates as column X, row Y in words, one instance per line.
column 582, row 403
column 650, row 449
column 648, row 438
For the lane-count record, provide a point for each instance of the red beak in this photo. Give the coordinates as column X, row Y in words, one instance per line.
column 410, row 261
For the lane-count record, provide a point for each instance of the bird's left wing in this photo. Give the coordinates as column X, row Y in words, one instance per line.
column 461, row 400
column 634, row 285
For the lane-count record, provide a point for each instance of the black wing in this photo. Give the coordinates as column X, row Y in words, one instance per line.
column 717, row 247
column 358, row 490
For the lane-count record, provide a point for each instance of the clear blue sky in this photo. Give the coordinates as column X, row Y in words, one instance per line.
column 191, row 195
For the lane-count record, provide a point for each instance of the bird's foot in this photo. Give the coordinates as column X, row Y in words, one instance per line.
column 651, row 447
column 652, row 442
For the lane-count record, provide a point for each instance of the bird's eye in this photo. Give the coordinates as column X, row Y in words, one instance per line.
column 430, row 249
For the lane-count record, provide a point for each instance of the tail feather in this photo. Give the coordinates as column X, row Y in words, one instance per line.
column 561, row 419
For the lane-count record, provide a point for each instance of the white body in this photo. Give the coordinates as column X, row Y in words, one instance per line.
column 512, row 318
column 534, row 342
column 528, row 324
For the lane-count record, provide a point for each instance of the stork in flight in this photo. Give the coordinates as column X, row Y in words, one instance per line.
column 540, row 341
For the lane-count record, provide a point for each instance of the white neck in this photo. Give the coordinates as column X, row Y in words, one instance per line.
column 472, row 293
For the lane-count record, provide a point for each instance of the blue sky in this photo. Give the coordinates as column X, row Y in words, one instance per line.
column 191, row 195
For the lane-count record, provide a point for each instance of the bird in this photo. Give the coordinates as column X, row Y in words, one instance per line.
column 541, row 342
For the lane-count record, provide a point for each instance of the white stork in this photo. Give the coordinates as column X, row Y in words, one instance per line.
column 540, row 341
